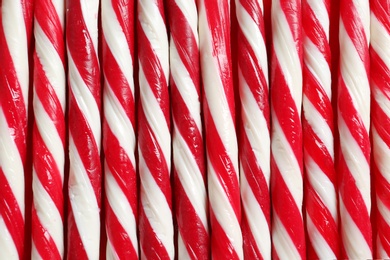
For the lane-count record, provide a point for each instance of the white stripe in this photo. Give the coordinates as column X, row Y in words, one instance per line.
column 356, row 162
column 281, row 241
column 34, row 252
column 321, row 247
column 320, row 12
column 287, row 163
column 381, row 99
column 156, row 207
column 223, row 211
column 380, row 251
column 381, row 154
column 154, row 28
column 155, row 117
column 355, row 77
column 383, row 210
column 188, row 8
column 256, row 219
column 10, row 161
column 16, row 38
column 84, row 100
column 121, row 207
column 119, row 122
column 190, row 176
column 252, row 33
column 83, row 202
column 286, row 53
column 185, row 85
column 110, row 252
column 59, row 5
column 318, row 124
column 354, row 243
column 48, row 214
column 7, row 247
column 90, row 12
column 51, row 63
column 363, row 13
column 380, row 40
column 182, row 250
column 256, row 128
column 322, row 185
column 116, row 41
column 49, row 134
column 214, row 92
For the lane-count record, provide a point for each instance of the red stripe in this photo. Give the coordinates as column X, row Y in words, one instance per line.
column 154, row 157
column 251, row 251
column 285, row 207
column 253, row 8
column 191, row 228
column 354, row 203
column 382, row 188
column 47, row 171
column 354, row 27
column 151, row 246
column 221, row 246
column 86, row 145
column 118, row 237
column 43, row 242
column 185, row 42
column 75, row 245
column 48, row 19
column 82, row 50
column 380, row 74
column 218, row 18
column 381, row 10
column 222, row 164
column 121, row 168
column 28, row 8
column 118, row 83
column 11, row 214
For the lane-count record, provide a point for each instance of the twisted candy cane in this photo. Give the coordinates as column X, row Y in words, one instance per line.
column 255, row 139
column 321, row 198
column 188, row 157
column 353, row 124
column 84, row 130
column 156, row 227
column 15, row 34
column 49, row 130
column 380, row 86
column 288, row 234
column 118, row 126
column 221, row 143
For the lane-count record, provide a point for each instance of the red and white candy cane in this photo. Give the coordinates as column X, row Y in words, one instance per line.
column 221, row 141
column 255, row 123
column 154, row 140
column 353, row 107
column 15, row 34
column 317, row 121
column 188, row 150
column 380, row 121
column 118, row 129
column 84, row 185
column 288, row 233
column 49, row 130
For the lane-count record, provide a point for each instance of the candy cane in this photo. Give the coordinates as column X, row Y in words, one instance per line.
column 321, row 198
column 118, row 127
column 84, row 130
column 15, row 34
column 353, row 123
column 380, row 86
column 156, row 226
column 255, row 139
column 288, row 234
column 221, row 142
column 49, row 130
column 188, row 151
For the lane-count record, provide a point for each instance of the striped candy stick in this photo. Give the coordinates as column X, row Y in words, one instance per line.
column 49, row 130
column 288, row 234
column 84, row 185
column 118, row 127
column 255, row 123
column 188, row 151
column 155, row 226
column 353, row 124
column 380, row 87
column 15, row 35
column 219, row 116
column 320, row 188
